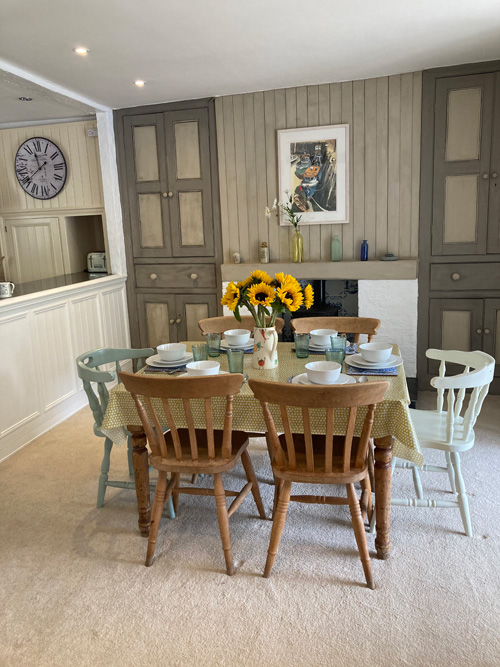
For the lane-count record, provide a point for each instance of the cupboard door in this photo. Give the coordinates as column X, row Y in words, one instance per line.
column 188, row 166
column 34, row 250
column 464, row 118
column 148, row 194
column 190, row 309
column 156, row 319
column 491, row 336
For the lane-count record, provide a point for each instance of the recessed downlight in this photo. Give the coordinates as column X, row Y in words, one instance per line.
column 139, row 83
column 81, row 50
column 26, row 99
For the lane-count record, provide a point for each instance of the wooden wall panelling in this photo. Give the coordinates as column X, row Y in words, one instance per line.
column 370, row 166
column 347, row 117
column 250, row 177
column 87, row 325
column 260, row 164
column 357, row 215
column 393, row 217
column 302, row 122
column 335, row 119
column 221, row 159
column 415, row 162
column 325, row 231
column 271, row 165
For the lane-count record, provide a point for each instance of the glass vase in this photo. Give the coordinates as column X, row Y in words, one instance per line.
column 297, row 247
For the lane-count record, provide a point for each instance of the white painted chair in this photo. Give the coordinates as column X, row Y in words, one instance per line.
column 446, row 429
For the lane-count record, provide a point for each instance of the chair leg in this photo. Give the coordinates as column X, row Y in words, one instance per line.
column 158, row 504
column 129, row 455
column 103, row 477
column 279, row 518
column 170, row 507
column 359, row 532
column 175, row 496
column 451, row 474
column 278, row 485
column 220, row 501
column 250, row 473
column 463, row 503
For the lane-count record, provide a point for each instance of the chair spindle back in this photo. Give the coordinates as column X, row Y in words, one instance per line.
column 343, row 325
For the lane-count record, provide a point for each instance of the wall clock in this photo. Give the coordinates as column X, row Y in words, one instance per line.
column 40, row 168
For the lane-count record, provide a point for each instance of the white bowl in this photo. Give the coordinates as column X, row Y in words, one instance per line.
column 203, row 368
column 322, row 336
column 235, row 337
column 375, row 351
column 323, row 372
column 171, row 351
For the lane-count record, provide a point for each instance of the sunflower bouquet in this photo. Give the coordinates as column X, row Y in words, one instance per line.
column 266, row 297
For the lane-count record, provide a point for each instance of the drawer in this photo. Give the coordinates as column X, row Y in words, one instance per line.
column 175, row 276
column 477, row 276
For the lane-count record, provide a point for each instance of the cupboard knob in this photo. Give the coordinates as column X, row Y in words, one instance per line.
column 170, row 194
column 172, row 321
column 153, row 276
column 165, row 194
column 178, row 320
column 194, row 276
column 479, row 331
column 494, row 174
column 455, row 276
column 486, row 331
column 486, row 176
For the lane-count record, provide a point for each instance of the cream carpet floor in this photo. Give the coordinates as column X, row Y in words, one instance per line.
column 74, row 589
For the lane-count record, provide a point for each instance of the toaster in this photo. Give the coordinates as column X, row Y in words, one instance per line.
column 96, row 262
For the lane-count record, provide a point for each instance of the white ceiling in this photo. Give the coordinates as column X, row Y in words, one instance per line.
column 194, row 48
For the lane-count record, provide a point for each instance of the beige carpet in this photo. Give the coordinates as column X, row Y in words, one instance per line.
column 74, row 590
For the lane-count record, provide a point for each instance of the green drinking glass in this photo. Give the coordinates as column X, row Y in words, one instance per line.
column 301, row 345
column 200, row 352
column 213, row 342
column 339, row 342
column 235, row 359
column 335, row 355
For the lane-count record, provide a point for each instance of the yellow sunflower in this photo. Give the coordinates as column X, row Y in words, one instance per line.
column 241, row 284
column 231, row 297
column 260, row 276
column 308, row 296
column 291, row 296
column 282, row 279
column 261, row 294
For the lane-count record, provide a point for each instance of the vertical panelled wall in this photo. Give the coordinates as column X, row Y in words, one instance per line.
column 384, row 121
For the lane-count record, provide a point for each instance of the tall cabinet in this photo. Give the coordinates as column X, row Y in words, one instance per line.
column 459, row 275
column 169, row 190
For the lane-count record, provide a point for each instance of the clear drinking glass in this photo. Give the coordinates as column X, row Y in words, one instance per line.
column 301, row 345
column 213, row 342
column 339, row 342
column 200, row 352
column 335, row 355
column 235, row 359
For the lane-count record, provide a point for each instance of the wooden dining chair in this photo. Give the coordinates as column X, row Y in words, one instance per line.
column 451, row 428
column 89, row 368
column 320, row 459
column 343, row 325
column 223, row 323
column 193, row 450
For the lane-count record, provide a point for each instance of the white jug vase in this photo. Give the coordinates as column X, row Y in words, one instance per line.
column 265, row 349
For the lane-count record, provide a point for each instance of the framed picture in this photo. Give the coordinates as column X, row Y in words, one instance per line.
column 314, row 167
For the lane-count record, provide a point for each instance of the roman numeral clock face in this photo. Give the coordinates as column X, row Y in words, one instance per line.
column 40, row 168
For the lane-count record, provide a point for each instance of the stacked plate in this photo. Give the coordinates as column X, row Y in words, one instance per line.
column 303, row 379
column 358, row 361
column 156, row 362
column 224, row 345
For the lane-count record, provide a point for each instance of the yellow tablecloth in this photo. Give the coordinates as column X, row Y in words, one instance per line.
column 392, row 416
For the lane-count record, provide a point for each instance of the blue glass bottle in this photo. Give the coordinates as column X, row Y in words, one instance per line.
column 364, row 251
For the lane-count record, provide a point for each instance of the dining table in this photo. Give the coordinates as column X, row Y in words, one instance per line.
column 392, row 429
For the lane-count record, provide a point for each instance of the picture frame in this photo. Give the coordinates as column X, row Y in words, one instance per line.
column 314, row 166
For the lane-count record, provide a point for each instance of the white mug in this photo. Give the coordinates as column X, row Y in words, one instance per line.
column 6, row 290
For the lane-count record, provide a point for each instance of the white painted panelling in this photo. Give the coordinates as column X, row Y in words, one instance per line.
column 54, row 353
column 17, row 405
column 114, row 318
column 394, row 302
column 83, row 188
column 86, row 323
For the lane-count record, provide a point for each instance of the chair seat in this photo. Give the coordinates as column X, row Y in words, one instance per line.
column 430, row 427
column 319, row 476
column 204, row 465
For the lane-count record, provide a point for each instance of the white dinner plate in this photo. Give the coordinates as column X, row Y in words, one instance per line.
column 159, row 363
column 247, row 346
column 357, row 360
column 303, row 379
column 184, row 375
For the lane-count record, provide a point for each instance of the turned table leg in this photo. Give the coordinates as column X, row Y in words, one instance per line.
column 383, row 477
column 141, row 477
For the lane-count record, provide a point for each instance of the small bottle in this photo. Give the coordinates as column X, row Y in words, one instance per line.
column 264, row 253
column 364, row 251
column 336, row 249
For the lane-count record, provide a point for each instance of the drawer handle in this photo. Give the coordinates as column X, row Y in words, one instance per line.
column 194, row 276
column 153, row 276
column 455, row 276
column 479, row 331
column 486, row 331
column 178, row 320
column 172, row 321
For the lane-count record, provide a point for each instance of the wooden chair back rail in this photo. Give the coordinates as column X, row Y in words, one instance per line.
column 187, row 389
column 344, row 325
column 272, row 393
column 226, row 322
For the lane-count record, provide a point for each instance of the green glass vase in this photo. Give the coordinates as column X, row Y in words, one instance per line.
column 297, row 247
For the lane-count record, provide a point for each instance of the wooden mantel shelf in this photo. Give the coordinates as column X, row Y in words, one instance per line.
column 402, row 269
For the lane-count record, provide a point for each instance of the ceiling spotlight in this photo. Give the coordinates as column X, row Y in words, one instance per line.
column 26, row 99
column 81, row 50
column 139, row 83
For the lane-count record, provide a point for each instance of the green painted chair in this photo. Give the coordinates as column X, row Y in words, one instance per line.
column 88, row 367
